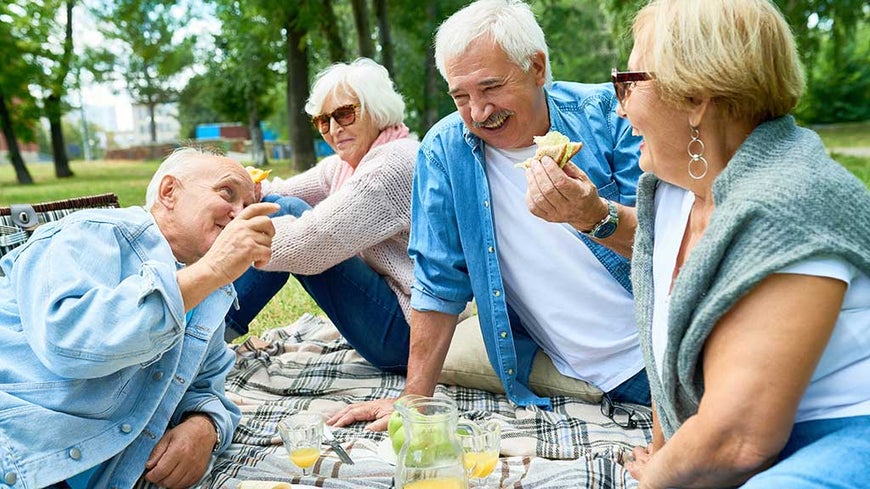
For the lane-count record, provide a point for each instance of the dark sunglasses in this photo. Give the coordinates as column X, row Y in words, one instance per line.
column 623, row 81
column 344, row 116
column 624, row 418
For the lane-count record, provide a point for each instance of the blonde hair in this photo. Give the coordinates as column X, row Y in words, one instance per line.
column 366, row 80
column 509, row 23
column 739, row 53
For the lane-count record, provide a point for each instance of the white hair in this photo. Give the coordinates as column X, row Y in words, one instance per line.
column 369, row 82
column 177, row 164
column 509, row 23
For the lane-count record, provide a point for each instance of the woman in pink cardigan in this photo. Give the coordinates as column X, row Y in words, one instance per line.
column 343, row 228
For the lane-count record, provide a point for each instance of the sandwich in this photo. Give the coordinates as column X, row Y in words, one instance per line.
column 555, row 145
column 257, row 175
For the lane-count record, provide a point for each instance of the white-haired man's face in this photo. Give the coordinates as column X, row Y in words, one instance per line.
column 198, row 205
column 498, row 101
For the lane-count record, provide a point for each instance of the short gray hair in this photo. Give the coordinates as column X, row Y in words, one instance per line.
column 369, row 82
column 509, row 23
column 177, row 164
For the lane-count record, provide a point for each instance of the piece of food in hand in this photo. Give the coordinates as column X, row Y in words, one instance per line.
column 257, row 175
column 555, row 145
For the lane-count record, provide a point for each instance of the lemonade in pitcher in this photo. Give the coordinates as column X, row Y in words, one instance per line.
column 430, row 455
column 450, row 483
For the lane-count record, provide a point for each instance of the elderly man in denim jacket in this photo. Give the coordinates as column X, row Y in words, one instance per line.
column 543, row 251
column 111, row 333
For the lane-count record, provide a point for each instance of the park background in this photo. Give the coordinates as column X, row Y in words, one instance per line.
column 247, row 65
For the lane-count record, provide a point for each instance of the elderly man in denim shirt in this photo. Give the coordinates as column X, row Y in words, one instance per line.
column 542, row 251
column 111, row 333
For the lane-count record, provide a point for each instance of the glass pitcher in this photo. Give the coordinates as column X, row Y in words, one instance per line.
column 431, row 456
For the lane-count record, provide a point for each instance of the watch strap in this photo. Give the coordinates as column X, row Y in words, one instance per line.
column 608, row 223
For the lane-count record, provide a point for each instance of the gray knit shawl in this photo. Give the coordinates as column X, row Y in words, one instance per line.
column 780, row 200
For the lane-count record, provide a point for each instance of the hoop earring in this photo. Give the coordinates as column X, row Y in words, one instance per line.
column 697, row 157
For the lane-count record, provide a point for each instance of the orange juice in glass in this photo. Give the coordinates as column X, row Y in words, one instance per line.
column 302, row 435
column 481, row 442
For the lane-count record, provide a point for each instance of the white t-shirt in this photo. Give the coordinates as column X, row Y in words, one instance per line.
column 569, row 303
column 840, row 385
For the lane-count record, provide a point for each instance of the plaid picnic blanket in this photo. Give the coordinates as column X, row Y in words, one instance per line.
column 309, row 366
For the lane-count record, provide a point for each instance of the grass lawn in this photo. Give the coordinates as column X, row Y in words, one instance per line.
column 130, row 179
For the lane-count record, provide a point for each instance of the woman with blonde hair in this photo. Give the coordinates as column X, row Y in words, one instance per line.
column 343, row 228
column 751, row 265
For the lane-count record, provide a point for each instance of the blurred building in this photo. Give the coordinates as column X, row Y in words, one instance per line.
column 29, row 151
column 166, row 119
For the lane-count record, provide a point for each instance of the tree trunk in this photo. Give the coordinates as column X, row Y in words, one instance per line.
column 430, row 87
column 58, row 146
column 301, row 139
column 363, row 31
column 151, row 112
column 53, row 101
column 329, row 27
column 258, row 146
column 21, row 173
column 385, row 36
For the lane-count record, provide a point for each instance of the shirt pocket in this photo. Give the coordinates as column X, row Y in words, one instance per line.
column 609, row 191
column 95, row 398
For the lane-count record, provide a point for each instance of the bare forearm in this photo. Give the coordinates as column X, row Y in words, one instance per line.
column 697, row 456
column 197, row 281
column 431, row 333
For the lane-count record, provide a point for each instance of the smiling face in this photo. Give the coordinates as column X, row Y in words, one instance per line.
column 497, row 100
column 353, row 141
column 664, row 128
column 197, row 204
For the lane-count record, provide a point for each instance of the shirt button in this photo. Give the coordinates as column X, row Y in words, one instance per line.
column 125, row 428
column 504, row 334
column 496, row 292
column 490, row 249
column 75, row 453
column 11, row 478
column 486, row 203
column 157, row 376
column 510, row 371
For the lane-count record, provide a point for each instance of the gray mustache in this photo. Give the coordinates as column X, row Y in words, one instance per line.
column 491, row 118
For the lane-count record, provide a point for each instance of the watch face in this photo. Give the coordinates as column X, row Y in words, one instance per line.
column 605, row 230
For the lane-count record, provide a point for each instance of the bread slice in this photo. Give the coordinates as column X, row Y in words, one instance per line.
column 257, row 175
column 555, row 145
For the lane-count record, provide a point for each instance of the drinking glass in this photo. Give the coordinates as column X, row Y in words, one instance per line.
column 481, row 443
column 302, row 434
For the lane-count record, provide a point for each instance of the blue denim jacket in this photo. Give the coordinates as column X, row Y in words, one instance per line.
column 98, row 358
column 452, row 235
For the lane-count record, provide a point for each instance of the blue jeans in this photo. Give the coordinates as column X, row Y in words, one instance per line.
column 634, row 390
column 357, row 300
column 820, row 454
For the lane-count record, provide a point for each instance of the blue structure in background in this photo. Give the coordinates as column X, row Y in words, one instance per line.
column 216, row 131
column 321, row 149
column 208, row 131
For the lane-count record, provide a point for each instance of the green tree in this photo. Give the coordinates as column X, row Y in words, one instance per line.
column 17, row 107
column 153, row 54
column 195, row 105
column 58, row 63
column 241, row 70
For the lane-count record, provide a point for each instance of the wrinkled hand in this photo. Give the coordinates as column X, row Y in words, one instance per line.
column 246, row 240
column 638, row 460
column 563, row 194
column 378, row 410
column 182, row 455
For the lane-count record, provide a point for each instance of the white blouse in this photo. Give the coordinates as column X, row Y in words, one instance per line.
column 840, row 385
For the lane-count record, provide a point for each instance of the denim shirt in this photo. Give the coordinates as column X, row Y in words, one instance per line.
column 453, row 239
column 98, row 359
